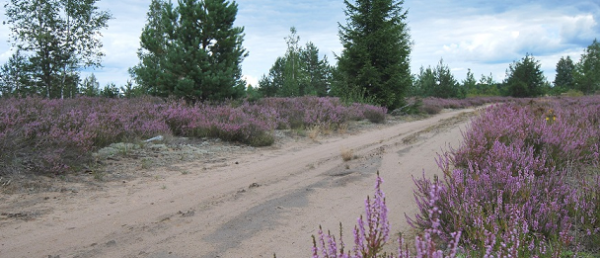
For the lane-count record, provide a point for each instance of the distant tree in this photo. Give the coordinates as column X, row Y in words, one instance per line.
column 299, row 72
column 587, row 70
column 110, row 91
column 252, row 93
column 150, row 72
column 271, row 85
column 317, row 71
column 375, row 59
column 130, row 90
column 564, row 73
column 62, row 37
column 525, row 78
column 487, row 86
column 90, row 86
column 293, row 84
column 424, row 82
column 469, row 83
column 438, row 82
column 15, row 76
column 446, row 85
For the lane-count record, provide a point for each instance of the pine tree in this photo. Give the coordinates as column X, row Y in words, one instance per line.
column 204, row 51
column 587, row 70
column 525, row 78
column 446, row 85
column 564, row 73
column 375, row 59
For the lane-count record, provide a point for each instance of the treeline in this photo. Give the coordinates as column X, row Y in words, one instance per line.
column 192, row 50
column 524, row 78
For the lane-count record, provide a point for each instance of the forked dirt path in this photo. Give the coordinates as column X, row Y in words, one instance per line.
column 270, row 201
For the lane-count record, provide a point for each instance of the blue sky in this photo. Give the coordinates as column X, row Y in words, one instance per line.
column 485, row 36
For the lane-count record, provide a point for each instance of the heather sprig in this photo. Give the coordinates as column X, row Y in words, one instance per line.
column 372, row 233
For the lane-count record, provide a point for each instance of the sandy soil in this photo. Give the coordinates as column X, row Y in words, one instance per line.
column 240, row 202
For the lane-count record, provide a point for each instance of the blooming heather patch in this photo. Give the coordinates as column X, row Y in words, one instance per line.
column 372, row 233
column 51, row 135
column 518, row 186
column 433, row 105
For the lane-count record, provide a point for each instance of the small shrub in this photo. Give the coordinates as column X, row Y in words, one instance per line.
column 375, row 115
column 261, row 140
column 432, row 110
column 347, row 154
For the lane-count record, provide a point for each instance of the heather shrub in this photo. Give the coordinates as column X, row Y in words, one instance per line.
column 57, row 135
column 374, row 114
column 515, row 186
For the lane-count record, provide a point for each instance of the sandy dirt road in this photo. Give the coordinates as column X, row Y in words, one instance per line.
column 254, row 205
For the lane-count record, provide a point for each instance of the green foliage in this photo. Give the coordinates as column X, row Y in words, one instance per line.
column 299, row 72
column 191, row 51
column 15, row 76
column 61, row 36
column 525, row 78
column 587, row 70
column 564, row 73
column 469, row 83
column 486, row 87
column 376, row 52
column 252, row 93
column 90, row 86
column 149, row 73
column 439, row 83
column 110, row 91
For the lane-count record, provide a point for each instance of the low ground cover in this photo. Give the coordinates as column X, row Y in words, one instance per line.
column 525, row 183
column 52, row 135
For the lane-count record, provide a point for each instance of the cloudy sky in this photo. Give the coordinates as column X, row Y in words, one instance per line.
column 485, row 36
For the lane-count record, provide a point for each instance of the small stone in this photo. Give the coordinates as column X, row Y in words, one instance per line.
column 111, row 243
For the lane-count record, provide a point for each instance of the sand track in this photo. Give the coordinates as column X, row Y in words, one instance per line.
column 253, row 205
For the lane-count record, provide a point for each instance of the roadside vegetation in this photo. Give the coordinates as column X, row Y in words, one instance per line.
column 525, row 183
column 53, row 135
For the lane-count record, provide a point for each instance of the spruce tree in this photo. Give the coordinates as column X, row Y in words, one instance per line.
column 317, row 71
column 564, row 73
column 375, row 59
column 148, row 74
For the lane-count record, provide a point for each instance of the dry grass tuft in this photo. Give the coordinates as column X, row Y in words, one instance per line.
column 313, row 132
column 347, row 154
column 343, row 128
